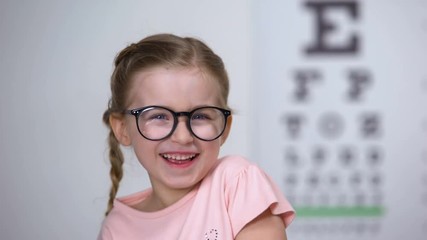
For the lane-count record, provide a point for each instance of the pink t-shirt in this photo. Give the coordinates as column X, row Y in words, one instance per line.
column 230, row 196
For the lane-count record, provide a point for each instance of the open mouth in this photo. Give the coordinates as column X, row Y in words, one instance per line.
column 179, row 158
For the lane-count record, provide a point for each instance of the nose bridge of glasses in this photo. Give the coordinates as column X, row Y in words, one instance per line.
column 178, row 132
column 186, row 121
column 179, row 114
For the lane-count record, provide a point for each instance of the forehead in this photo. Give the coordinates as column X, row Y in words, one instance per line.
column 174, row 87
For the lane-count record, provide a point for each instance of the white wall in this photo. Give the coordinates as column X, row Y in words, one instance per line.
column 55, row 62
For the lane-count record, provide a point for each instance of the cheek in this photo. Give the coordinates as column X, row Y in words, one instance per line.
column 144, row 149
column 213, row 147
column 146, row 156
column 132, row 130
column 137, row 140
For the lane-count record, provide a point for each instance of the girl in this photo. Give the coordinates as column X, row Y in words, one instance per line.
column 169, row 103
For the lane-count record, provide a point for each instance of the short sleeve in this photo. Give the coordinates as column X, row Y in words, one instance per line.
column 104, row 234
column 250, row 192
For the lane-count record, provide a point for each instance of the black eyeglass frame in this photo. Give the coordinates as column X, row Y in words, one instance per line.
column 137, row 112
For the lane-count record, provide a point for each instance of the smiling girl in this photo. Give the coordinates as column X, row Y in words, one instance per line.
column 169, row 103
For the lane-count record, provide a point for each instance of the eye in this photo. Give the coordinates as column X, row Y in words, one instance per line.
column 159, row 116
column 156, row 115
column 200, row 116
column 206, row 114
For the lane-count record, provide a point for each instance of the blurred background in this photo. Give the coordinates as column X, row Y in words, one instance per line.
column 330, row 99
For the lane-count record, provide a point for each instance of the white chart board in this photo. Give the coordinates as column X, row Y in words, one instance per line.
column 340, row 114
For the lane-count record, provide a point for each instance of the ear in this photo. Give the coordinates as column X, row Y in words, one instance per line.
column 227, row 129
column 119, row 127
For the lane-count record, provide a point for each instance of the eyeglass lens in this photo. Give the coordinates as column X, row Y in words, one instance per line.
column 205, row 123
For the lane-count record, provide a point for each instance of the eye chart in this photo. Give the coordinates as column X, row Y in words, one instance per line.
column 341, row 114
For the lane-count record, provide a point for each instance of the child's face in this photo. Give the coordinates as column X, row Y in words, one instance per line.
column 178, row 89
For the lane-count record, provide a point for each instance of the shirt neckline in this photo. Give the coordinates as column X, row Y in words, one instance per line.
column 124, row 204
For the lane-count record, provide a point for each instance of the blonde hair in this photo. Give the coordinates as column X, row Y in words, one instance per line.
column 156, row 50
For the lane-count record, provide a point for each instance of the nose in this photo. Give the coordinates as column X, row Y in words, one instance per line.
column 182, row 134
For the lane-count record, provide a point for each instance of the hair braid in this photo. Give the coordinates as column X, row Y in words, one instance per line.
column 116, row 161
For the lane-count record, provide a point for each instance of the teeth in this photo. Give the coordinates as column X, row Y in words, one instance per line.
column 178, row 157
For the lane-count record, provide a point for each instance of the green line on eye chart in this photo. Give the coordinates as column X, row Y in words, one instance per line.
column 357, row 211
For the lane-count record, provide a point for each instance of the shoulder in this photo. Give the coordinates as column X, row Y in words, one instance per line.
column 229, row 174
column 249, row 191
column 233, row 163
column 123, row 208
column 132, row 199
column 234, row 167
column 238, row 168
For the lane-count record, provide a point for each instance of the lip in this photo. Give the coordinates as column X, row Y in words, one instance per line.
column 179, row 160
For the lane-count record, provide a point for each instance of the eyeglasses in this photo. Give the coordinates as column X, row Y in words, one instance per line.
column 157, row 123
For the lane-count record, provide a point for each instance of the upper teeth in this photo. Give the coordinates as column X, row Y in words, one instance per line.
column 178, row 157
